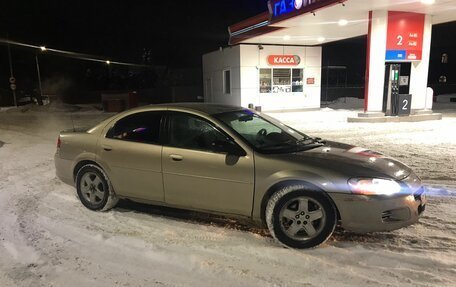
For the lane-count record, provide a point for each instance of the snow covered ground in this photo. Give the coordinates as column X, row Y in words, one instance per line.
column 47, row 238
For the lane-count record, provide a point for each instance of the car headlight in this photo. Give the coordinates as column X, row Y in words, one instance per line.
column 374, row 186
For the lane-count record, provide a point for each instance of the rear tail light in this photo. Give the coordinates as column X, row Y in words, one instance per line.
column 59, row 142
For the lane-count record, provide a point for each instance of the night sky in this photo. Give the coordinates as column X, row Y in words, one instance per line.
column 174, row 35
column 177, row 32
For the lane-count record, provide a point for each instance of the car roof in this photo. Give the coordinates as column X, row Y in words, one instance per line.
column 206, row 108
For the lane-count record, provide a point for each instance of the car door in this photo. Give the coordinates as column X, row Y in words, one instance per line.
column 131, row 151
column 198, row 176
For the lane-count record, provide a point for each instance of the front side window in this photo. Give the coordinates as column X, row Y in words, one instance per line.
column 141, row 127
column 191, row 132
column 263, row 134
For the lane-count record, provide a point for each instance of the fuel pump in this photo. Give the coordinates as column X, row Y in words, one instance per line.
column 391, row 92
column 395, row 72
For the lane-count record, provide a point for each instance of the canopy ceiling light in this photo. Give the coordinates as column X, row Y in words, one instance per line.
column 428, row 2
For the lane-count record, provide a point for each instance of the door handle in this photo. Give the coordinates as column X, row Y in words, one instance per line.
column 107, row 147
column 176, row 157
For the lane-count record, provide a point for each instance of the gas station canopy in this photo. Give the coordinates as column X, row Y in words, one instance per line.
column 321, row 21
column 399, row 34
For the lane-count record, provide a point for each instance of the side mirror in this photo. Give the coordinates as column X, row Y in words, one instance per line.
column 228, row 147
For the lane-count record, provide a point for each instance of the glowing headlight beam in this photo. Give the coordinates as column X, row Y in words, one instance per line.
column 374, row 186
column 69, row 54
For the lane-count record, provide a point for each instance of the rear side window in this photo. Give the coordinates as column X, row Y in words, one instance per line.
column 141, row 127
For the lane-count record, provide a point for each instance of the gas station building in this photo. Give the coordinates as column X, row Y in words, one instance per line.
column 274, row 60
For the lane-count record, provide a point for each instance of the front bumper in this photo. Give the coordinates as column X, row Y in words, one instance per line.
column 363, row 214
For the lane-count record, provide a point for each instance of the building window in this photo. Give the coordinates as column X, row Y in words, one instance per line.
column 227, row 82
column 281, row 80
column 297, row 81
column 265, row 80
column 444, row 58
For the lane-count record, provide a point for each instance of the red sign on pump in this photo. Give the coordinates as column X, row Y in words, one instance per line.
column 284, row 60
column 405, row 36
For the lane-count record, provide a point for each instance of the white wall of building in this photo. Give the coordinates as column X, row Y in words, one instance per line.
column 213, row 66
column 253, row 59
column 246, row 61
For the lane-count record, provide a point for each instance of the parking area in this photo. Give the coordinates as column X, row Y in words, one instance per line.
column 47, row 238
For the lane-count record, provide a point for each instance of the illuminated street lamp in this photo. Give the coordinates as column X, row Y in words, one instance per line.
column 43, row 49
column 108, row 62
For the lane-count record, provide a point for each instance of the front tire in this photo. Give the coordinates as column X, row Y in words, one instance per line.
column 300, row 218
column 94, row 188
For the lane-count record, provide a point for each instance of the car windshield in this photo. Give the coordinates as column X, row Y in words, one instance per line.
column 266, row 134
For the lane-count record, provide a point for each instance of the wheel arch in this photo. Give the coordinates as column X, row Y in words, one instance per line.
column 82, row 163
column 279, row 185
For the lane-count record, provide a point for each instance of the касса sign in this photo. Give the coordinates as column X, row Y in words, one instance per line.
column 284, row 60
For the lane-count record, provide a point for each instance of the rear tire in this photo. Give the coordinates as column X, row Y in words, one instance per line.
column 94, row 188
column 300, row 218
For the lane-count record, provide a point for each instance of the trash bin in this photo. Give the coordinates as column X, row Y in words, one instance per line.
column 133, row 100
column 114, row 106
column 119, row 102
column 403, row 104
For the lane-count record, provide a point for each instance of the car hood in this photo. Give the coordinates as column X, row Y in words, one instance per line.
column 350, row 160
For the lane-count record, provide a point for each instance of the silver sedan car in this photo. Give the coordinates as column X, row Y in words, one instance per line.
column 237, row 162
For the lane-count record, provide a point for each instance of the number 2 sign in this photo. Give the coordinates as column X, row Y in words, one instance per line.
column 404, row 104
column 405, row 36
column 399, row 40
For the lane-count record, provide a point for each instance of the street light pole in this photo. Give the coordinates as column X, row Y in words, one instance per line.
column 11, row 69
column 39, row 76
